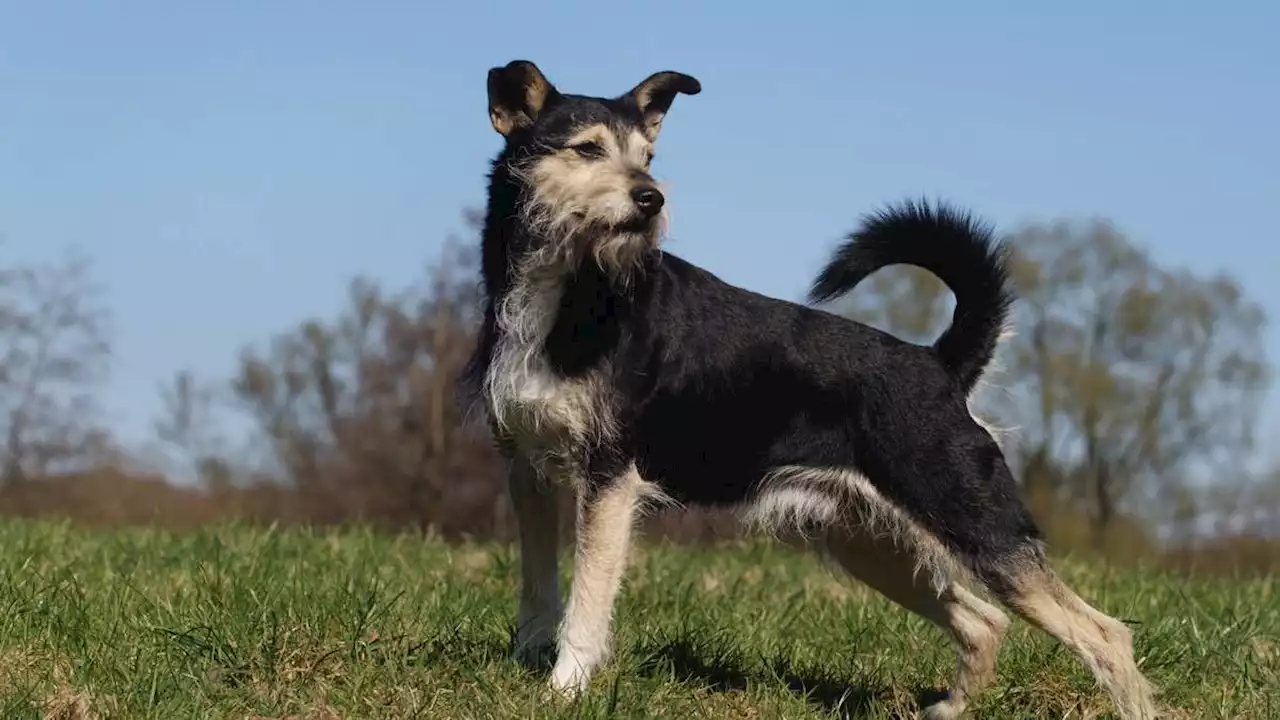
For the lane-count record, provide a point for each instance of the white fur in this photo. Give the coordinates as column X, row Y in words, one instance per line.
column 793, row 498
column 525, row 397
column 571, row 207
column 984, row 383
column 790, row 509
column 604, row 533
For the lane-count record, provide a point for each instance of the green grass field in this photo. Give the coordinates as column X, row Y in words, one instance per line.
column 241, row 623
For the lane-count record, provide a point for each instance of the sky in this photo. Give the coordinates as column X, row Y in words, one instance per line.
column 230, row 166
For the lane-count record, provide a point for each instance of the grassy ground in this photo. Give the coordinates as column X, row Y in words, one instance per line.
column 238, row 623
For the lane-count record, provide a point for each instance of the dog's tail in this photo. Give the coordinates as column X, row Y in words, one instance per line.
column 951, row 244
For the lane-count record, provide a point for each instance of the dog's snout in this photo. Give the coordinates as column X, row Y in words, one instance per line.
column 648, row 199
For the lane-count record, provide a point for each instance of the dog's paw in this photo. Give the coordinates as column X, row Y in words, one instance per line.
column 536, row 653
column 569, row 678
column 534, row 644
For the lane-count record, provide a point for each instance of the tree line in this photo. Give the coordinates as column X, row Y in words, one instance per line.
column 1128, row 400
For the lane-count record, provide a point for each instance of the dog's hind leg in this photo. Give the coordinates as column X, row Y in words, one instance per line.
column 918, row 581
column 538, row 524
column 1027, row 585
column 606, row 516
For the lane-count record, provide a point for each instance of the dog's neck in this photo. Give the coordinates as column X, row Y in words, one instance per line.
column 540, row 288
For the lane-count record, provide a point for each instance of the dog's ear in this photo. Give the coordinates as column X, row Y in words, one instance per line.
column 518, row 92
column 654, row 95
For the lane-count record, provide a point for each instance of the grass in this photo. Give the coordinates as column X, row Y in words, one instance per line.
column 234, row 622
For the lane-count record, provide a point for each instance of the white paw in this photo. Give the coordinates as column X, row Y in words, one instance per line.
column 569, row 677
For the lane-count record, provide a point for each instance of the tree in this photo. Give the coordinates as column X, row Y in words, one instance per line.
column 189, row 425
column 1144, row 377
column 1131, row 378
column 54, row 353
column 359, row 413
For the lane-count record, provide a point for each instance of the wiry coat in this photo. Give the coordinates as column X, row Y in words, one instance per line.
column 612, row 367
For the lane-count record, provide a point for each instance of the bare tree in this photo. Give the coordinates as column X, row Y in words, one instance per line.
column 190, row 426
column 54, row 354
column 359, row 413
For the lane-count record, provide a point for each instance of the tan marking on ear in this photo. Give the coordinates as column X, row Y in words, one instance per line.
column 535, row 93
column 652, row 120
column 502, row 121
column 534, row 90
column 638, row 148
column 654, row 95
column 644, row 97
column 505, row 120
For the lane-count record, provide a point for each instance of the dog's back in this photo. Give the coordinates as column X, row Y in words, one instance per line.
column 722, row 394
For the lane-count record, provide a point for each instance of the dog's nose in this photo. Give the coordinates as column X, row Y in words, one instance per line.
column 648, row 199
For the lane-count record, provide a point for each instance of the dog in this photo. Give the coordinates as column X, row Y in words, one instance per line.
column 611, row 367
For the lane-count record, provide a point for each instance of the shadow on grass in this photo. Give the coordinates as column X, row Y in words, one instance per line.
column 716, row 665
column 459, row 645
column 726, row 673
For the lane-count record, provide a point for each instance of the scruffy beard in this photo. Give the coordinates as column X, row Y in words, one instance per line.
column 567, row 238
column 622, row 253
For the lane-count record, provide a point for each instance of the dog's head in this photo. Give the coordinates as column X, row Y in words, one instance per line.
column 582, row 164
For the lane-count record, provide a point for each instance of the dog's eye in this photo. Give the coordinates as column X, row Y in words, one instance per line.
column 588, row 149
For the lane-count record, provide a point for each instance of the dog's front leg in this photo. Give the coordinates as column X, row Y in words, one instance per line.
column 606, row 514
column 538, row 522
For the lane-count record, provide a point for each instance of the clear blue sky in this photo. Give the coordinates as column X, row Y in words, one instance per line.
column 230, row 165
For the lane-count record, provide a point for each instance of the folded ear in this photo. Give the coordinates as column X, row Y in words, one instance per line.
column 518, row 92
column 654, row 95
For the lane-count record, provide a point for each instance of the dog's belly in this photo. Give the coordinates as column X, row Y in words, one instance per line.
column 700, row 476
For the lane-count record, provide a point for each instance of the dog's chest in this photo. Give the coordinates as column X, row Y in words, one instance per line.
column 528, row 398
column 537, row 401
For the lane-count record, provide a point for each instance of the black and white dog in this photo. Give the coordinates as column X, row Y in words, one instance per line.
column 629, row 375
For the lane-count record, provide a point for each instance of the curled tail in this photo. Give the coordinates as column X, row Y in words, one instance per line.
column 951, row 244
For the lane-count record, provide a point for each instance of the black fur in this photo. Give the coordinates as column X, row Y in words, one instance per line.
column 599, row 352
column 952, row 245
column 716, row 385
